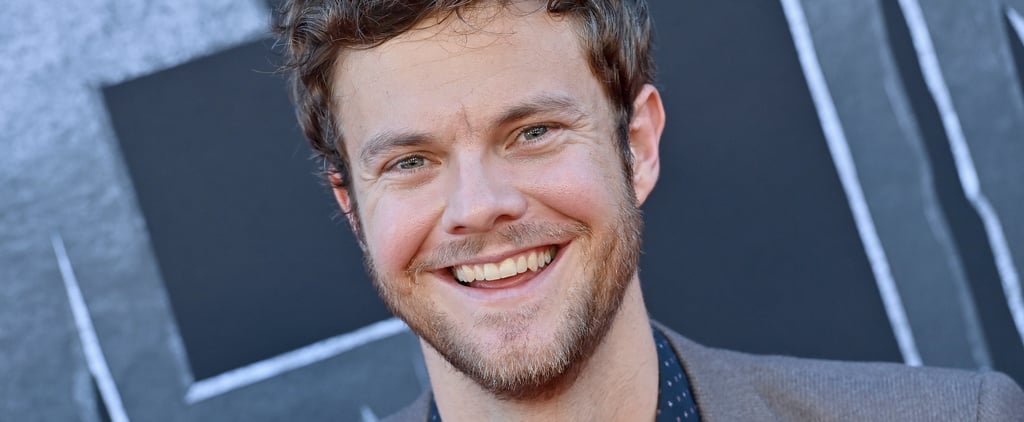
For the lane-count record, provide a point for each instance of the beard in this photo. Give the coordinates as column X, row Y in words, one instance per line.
column 515, row 369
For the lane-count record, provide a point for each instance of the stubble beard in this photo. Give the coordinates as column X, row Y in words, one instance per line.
column 518, row 370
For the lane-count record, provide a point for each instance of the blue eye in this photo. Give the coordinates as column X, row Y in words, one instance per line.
column 534, row 132
column 410, row 163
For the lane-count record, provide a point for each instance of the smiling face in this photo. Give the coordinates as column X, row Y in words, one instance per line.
column 495, row 212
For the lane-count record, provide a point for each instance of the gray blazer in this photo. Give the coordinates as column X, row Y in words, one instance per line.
column 733, row 386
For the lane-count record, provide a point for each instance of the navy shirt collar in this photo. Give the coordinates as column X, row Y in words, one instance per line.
column 675, row 399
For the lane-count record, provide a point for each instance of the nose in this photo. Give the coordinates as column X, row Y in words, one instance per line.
column 481, row 197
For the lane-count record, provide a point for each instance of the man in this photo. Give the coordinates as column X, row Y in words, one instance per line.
column 491, row 158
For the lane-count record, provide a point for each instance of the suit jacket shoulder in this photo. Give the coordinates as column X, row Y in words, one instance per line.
column 738, row 386
column 734, row 386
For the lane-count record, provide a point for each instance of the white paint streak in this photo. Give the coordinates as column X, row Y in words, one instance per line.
column 1017, row 22
column 295, row 359
column 936, row 219
column 367, row 414
column 87, row 334
column 933, row 77
column 840, row 151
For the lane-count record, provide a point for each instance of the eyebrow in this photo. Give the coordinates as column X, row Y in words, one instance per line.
column 543, row 103
column 383, row 142
column 388, row 140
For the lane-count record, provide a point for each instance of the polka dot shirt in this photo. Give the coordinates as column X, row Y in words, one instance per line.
column 675, row 400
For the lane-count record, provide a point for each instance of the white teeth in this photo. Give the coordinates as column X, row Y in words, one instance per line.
column 531, row 261
column 491, row 272
column 509, row 267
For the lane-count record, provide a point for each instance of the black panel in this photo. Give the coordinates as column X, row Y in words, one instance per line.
column 965, row 225
column 750, row 243
column 241, row 228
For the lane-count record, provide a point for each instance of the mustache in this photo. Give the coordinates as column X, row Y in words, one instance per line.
column 518, row 235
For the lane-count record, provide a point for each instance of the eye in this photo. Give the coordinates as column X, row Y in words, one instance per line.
column 411, row 162
column 534, row 132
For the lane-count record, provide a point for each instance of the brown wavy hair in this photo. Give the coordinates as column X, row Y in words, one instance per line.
column 615, row 34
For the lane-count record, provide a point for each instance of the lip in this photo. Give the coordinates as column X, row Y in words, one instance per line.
column 480, row 260
column 516, row 290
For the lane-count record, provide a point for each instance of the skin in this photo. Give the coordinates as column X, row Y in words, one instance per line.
column 472, row 140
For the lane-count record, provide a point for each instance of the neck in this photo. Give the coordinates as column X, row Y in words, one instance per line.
column 619, row 382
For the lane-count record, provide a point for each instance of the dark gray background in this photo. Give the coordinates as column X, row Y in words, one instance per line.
column 153, row 141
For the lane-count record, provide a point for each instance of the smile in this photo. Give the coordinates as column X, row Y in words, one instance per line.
column 533, row 260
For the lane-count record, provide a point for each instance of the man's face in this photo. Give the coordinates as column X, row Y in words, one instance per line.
column 483, row 149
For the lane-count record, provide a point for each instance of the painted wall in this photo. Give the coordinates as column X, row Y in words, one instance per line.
column 839, row 180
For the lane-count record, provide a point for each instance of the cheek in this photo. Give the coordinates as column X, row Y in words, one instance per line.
column 396, row 227
column 582, row 186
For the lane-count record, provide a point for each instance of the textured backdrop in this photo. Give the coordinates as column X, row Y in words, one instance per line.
column 840, row 180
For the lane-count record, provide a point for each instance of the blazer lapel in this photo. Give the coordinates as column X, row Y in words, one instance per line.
column 721, row 382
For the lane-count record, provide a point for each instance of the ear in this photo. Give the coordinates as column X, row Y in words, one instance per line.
column 644, row 136
column 345, row 202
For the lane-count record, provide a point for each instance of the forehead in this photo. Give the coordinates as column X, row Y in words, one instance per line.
column 471, row 66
